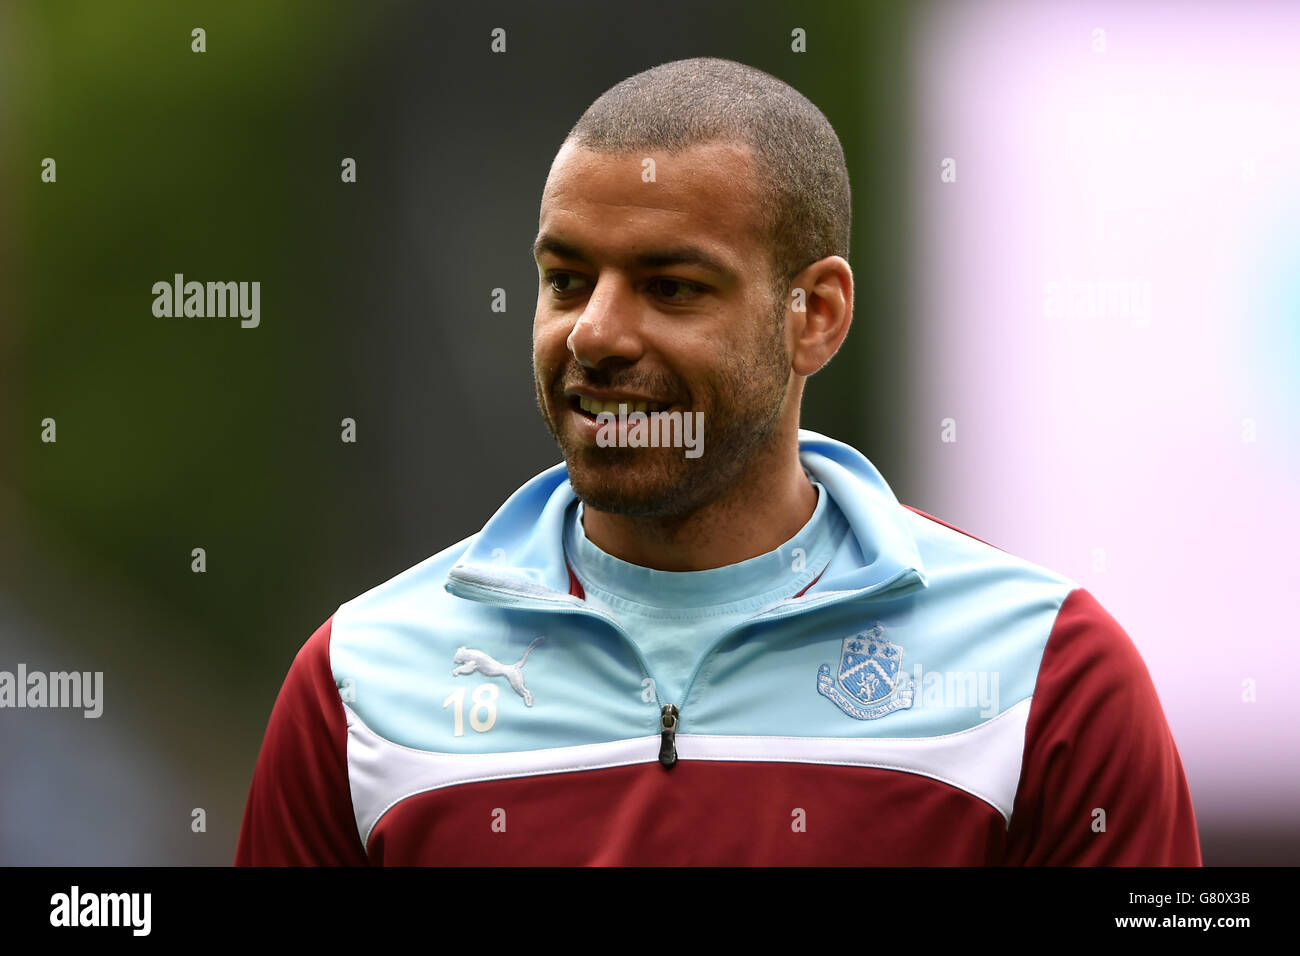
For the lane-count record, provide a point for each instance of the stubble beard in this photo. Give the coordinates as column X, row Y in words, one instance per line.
column 742, row 407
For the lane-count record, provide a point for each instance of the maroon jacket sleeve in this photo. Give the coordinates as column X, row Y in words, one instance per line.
column 299, row 810
column 1097, row 739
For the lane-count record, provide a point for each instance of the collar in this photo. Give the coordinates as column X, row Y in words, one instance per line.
column 519, row 554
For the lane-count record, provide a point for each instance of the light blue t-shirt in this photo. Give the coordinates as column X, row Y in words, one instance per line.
column 674, row 616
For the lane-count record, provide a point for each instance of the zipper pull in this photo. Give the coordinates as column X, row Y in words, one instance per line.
column 668, row 748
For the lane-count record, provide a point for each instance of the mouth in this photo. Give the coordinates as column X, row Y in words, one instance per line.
column 589, row 408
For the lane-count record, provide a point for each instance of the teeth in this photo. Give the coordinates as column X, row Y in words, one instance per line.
column 594, row 407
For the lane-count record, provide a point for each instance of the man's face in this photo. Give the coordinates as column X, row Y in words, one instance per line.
column 657, row 292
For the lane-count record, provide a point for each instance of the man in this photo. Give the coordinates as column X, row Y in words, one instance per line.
column 709, row 636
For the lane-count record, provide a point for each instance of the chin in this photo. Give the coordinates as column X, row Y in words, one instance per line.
column 624, row 485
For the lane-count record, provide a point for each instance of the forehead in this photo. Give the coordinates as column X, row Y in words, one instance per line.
column 606, row 203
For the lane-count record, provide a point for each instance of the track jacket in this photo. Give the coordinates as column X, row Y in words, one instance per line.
column 926, row 699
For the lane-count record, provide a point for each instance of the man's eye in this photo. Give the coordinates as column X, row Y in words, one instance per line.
column 678, row 290
column 563, row 282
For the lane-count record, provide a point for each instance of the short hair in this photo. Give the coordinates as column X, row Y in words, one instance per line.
column 803, row 181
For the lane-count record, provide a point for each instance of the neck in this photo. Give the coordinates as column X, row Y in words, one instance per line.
column 761, row 512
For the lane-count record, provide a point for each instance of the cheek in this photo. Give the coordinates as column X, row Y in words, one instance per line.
column 549, row 342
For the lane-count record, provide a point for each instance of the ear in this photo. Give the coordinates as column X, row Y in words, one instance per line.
column 819, row 308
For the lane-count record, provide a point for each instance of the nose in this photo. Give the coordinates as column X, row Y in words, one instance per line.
column 609, row 328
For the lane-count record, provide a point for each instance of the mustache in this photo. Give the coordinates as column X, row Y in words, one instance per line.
column 573, row 375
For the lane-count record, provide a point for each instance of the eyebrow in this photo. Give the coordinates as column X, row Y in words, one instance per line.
column 656, row 259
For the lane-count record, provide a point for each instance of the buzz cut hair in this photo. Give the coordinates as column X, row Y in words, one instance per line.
column 803, row 183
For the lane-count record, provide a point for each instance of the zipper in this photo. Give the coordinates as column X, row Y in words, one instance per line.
column 669, row 714
column 668, row 740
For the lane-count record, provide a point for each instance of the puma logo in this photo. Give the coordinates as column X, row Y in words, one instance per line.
column 471, row 660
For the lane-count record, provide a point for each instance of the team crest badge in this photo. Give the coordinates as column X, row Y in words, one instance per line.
column 870, row 682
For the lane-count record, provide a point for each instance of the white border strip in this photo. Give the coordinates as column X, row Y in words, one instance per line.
column 984, row 761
